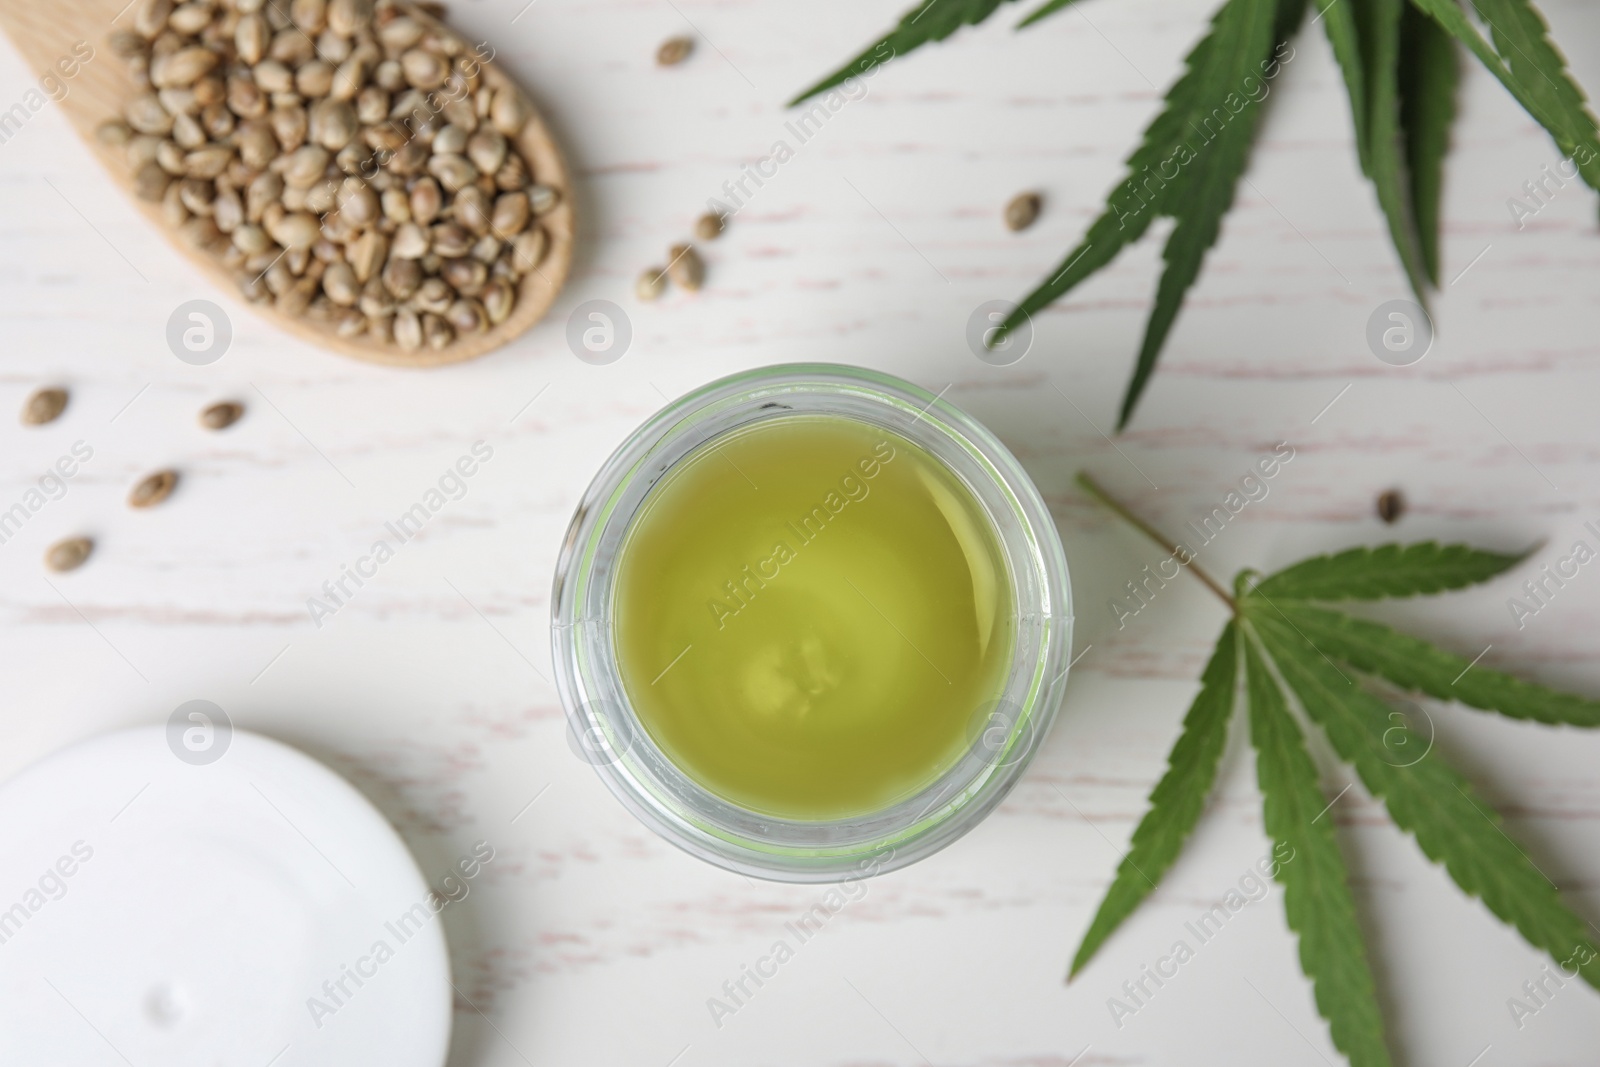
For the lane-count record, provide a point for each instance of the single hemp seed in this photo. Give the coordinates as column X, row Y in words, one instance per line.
column 221, row 415
column 44, row 406
column 651, row 284
column 709, row 227
column 1391, row 505
column 688, row 270
column 674, row 50
column 1021, row 211
column 68, row 554
column 153, row 489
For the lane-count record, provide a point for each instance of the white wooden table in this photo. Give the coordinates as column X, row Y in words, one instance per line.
column 589, row 941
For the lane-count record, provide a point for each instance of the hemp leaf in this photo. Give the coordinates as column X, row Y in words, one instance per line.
column 1399, row 62
column 1298, row 659
column 1366, row 42
column 1178, row 800
column 1427, row 107
column 1193, row 156
column 931, row 20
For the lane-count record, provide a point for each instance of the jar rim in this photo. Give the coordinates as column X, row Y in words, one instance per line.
column 605, row 731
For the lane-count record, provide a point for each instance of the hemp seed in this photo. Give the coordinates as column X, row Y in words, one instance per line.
column 1021, row 211
column 153, row 489
column 317, row 146
column 44, row 406
column 709, row 227
column 650, row 284
column 688, row 270
column 68, row 554
column 221, row 415
column 674, row 50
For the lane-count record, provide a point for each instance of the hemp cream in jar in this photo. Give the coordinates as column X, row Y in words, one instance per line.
column 810, row 621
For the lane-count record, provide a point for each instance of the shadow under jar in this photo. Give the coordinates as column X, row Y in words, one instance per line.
column 811, row 623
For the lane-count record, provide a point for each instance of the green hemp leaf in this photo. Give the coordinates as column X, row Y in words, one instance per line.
column 1288, row 660
column 1399, row 63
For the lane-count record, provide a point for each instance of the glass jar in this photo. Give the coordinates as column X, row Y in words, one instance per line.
column 607, row 733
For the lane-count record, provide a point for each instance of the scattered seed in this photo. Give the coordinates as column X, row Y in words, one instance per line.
column 709, row 227
column 221, row 415
column 1021, row 211
column 44, row 406
column 153, row 489
column 674, row 50
column 1391, row 505
column 68, row 554
column 651, row 284
column 688, row 270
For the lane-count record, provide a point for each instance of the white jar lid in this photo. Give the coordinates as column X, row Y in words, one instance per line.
column 170, row 903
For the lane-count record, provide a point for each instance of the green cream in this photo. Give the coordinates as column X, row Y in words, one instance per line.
column 813, row 617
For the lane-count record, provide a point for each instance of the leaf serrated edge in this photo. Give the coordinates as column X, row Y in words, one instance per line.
column 1572, row 128
column 1430, row 71
column 1177, row 801
column 1360, row 573
column 943, row 18
column 1422, row 667
column 1365, row 35
column 1207, row 197
column 1317, row 900
column 1044, row 11
column 1241, row 32
column 1433, row 803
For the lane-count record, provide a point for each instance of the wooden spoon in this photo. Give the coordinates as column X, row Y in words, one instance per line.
column 46, row 34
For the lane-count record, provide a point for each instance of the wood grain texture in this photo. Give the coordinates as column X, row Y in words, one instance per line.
column 588, row 940
column 46, row 35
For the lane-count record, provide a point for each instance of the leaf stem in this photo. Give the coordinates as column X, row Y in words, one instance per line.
column 1182, row 556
